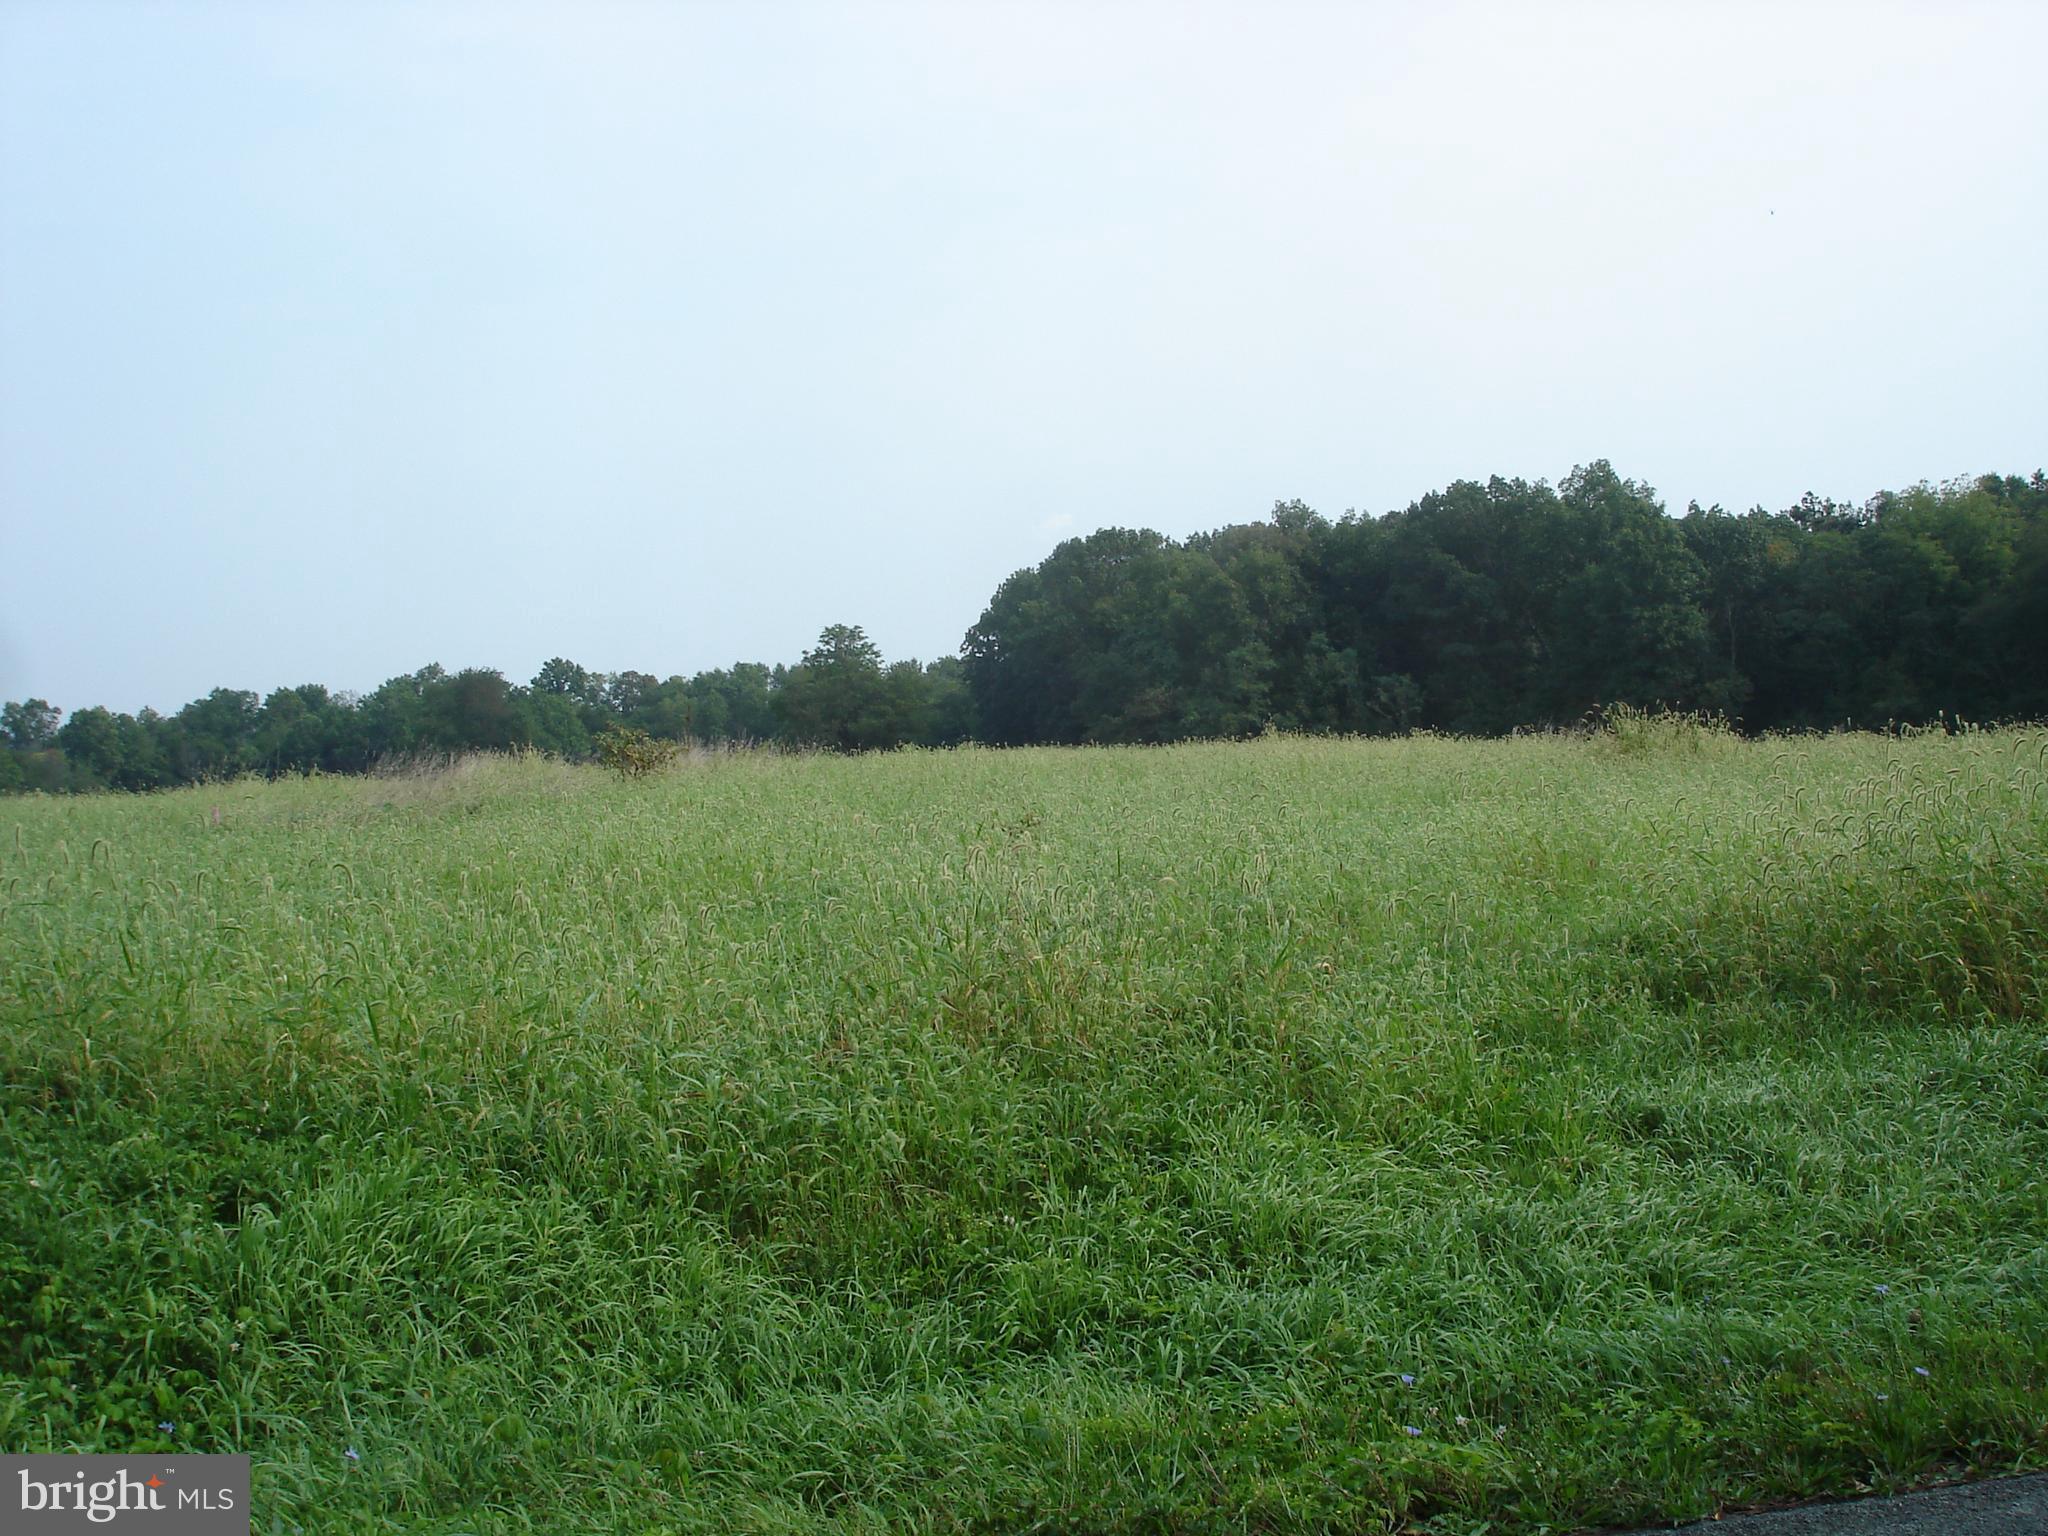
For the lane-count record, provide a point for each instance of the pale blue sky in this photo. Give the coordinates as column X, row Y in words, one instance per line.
column 336, row 339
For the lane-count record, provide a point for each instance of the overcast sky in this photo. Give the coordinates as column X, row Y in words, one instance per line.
column 338, row 339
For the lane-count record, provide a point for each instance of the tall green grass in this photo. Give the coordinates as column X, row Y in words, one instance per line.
column 1287, row 1136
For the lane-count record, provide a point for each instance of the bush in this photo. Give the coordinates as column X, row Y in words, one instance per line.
column 633, row 754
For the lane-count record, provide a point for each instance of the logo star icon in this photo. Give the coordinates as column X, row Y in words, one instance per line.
column 154, row 1482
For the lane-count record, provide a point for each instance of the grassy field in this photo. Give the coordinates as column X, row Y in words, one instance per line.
column 1286, row 1136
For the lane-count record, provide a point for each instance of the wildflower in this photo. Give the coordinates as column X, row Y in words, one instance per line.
column 166, row 1426
column 1410, row 1429
column 1921, row 1370
column 1407, row 1380
column 1884, row 1397
column 1463, row 1421
column 353, row 1454
column 1882, row 1290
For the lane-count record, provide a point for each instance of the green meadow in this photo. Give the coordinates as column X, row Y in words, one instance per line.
column 1293, row 1135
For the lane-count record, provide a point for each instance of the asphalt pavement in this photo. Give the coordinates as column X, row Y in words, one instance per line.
column 2003, row 1506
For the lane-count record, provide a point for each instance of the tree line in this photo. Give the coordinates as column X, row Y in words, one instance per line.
column 840, row 695
column 1479, row 609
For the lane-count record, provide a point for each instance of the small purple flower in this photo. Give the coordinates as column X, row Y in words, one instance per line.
column 1407, row 1380
column 1411, row 1430
column 166, row 1426
column 353, row 1454
column 1921, row 1370
column 1882, row 1290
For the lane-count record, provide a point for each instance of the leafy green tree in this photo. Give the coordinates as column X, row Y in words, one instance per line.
column 1812, row 646
column 1736, row 556
column 215, row 736
column 118, row 751
column 1940, row 558
column 91, row 738
column 667, row 711
column 947, row 711
column 1217, row 676
column 2007, row 627
column 627, row 693
column 1351, row 575
column 736, row 705
column 476, row 710
column 586, row 692
column 1625, row 619
column 31, row 725
column 838, row 697
column 1274, row 567
column 299, row 730
column 1060, row 654
column 395, row 717
column 554, row 723
column 1021, row 657
column 1467, row 604
column 558, row 675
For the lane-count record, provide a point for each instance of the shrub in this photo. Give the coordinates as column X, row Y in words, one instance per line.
column 633, row 754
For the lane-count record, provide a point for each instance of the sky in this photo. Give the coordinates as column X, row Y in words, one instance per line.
column 336, row 339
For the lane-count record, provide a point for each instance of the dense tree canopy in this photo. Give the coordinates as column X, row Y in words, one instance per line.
column 1486, row 607
column 1480, row 608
